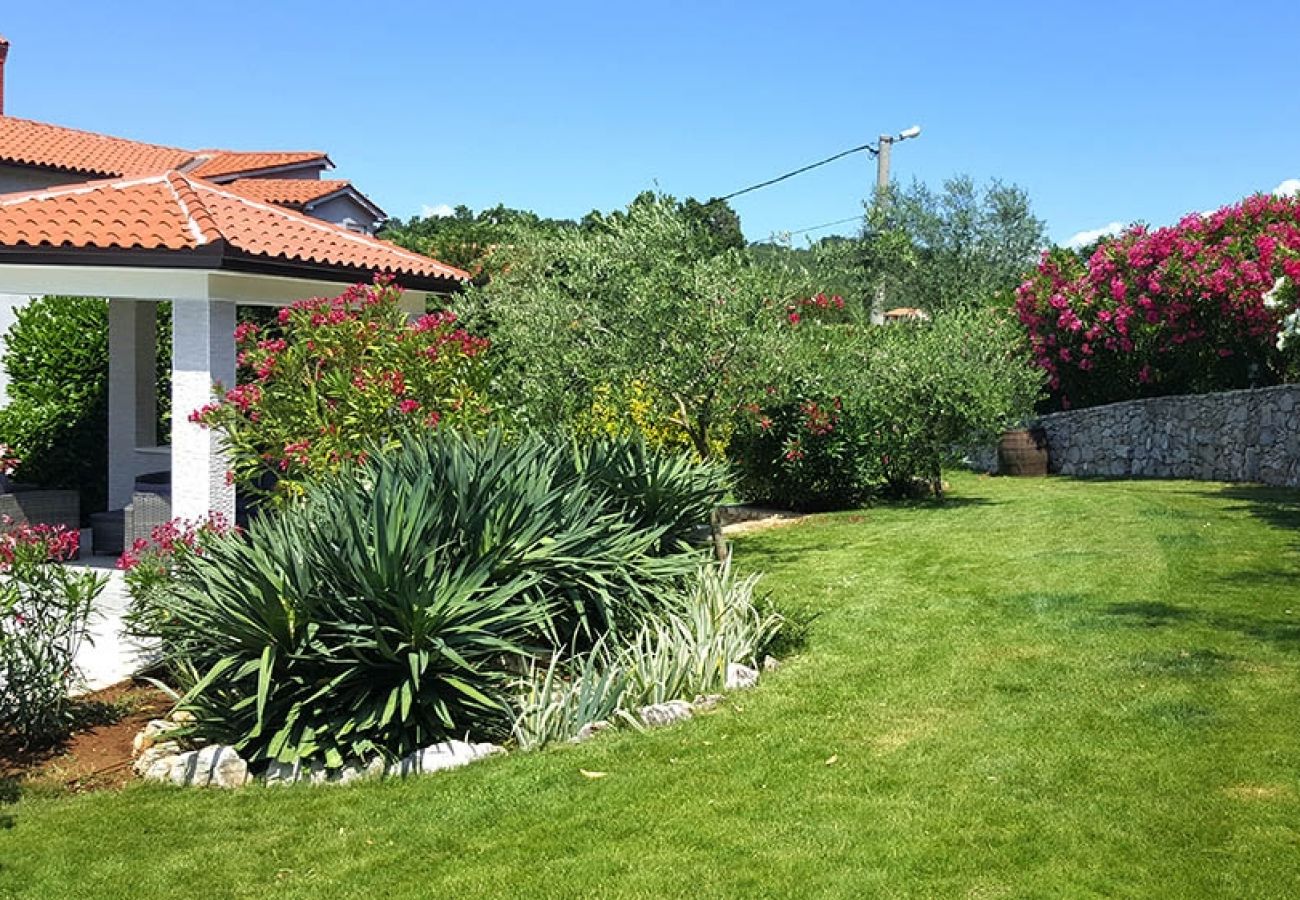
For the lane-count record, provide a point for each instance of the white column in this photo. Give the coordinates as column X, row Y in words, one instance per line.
column 132, row 392
column 203, row 353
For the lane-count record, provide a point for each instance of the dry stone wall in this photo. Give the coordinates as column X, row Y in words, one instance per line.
column 1251, row 435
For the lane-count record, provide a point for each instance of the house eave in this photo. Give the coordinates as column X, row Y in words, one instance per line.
column 214, row 258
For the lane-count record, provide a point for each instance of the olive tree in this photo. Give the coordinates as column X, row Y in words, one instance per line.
column 646, row 303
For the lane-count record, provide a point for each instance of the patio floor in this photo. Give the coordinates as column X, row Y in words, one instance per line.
column 108, row 656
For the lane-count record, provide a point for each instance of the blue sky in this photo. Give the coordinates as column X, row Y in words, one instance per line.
column 1105, row 112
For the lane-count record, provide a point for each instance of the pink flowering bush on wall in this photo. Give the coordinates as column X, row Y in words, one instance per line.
column 1197, row 306
column 334, row 376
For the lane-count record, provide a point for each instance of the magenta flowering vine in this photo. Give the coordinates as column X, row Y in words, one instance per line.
column 1194, row 306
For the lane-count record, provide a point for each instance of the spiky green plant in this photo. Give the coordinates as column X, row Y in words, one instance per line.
column 674, row 492
column 677, row 655
column 391, row 608
column 561, row 697
column 686, row 651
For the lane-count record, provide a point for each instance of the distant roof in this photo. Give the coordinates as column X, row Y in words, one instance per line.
column 55, row 147
column 217, row 164
column 25, row 142
column 175, row 211
column 295, row 193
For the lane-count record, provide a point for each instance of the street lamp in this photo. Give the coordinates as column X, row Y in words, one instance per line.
column 883, row 146
column 882, row 159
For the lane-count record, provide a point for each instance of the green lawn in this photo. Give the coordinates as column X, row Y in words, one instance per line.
column 1042, row 688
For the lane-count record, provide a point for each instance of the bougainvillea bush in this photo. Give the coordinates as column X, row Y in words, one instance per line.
column 1197, row 306
column 333, row 376
column 44, row 617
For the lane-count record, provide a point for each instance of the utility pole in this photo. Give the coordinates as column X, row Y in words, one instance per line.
column 881, row 201
column 883, row 146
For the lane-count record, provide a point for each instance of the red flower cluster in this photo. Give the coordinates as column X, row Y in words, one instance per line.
column 821, row 302
column 166, row 540
column 39, row 543
column 818, row 419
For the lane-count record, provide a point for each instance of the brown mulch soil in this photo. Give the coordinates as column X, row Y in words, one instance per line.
column 97, row 756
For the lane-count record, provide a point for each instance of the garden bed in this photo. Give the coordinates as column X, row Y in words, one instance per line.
column 98, row 755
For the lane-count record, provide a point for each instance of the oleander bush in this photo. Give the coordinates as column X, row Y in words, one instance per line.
column 150, row 567
column 1208, row 304
column 882, row 410
column 332, row 376
column 45, row 612
column 801, row 451
column 396, row 603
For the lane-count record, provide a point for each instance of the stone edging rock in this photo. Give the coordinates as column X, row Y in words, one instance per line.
column 164, row 754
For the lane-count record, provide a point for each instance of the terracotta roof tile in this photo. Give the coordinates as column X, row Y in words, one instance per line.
column 175, row 211
column 294, row 193
column 224, row 163
column 25, row 142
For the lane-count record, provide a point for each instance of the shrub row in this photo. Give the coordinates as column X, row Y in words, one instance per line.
column 883, row 410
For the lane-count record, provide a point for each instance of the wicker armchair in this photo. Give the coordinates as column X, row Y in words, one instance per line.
column 151, row 506
column 145, row 513
column 23, row 505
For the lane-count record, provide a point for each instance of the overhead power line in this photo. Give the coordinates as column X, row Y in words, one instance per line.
column 790, row 234
column 753, row 187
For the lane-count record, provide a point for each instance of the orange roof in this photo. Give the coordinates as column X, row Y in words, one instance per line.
column 222, row 163
column 294, row 193
column 25, row 142
column 174, row 211
column 31, row 143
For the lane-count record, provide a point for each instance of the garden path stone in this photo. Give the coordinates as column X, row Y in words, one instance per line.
column 590, row 730
column 215, row 765
column 108, row 657
column 447, row 755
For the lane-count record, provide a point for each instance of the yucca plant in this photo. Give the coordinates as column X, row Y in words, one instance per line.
column 392, row 607
column 672, row 492
column 294, row 663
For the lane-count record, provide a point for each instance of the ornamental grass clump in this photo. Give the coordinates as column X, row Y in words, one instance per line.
column 45, row 611
column 711, row 623
column 394, row 606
